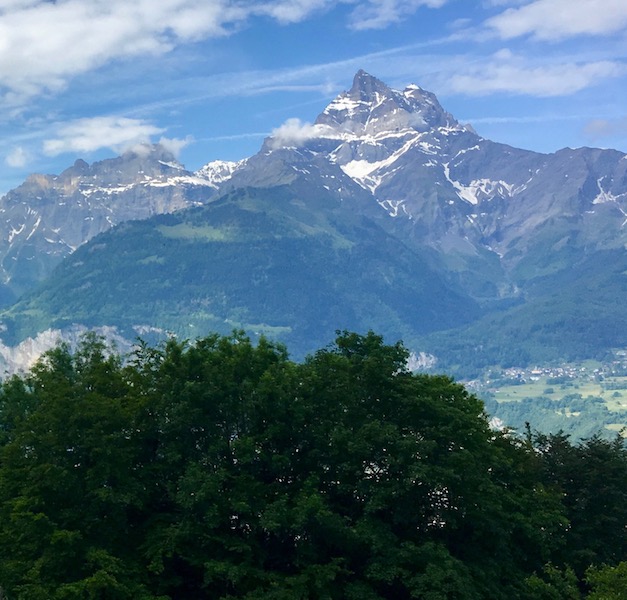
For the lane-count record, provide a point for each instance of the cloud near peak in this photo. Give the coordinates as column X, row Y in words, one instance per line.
column 294, row 133
column 17, row 157
column 91, row 134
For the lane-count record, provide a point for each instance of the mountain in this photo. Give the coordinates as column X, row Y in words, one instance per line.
column 292, row 264
column 493, row 215
column 49, row 216
column 384, row 213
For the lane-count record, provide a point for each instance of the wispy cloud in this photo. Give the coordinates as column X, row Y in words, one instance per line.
column 91, row 134
column 598, row 129
column 45, row 44
column 560, row 19
column 292, row 11
column 175, row 145
column 236, row 136
column 520, row 120
column 17, row 158
column 505, row 72
column 377, row 14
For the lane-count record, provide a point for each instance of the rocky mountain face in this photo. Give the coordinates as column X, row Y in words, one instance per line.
column 469, row 233
column 489, row 212
column 49, row 216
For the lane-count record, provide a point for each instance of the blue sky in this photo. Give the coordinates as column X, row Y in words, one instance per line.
column 211, row 78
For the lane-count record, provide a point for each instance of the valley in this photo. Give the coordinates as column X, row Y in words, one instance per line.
column 580, row 398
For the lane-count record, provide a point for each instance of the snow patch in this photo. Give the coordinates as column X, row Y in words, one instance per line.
column 345, row 103
column 15, row 232
column 360, row 171
column 365, row 173
column 479, row 190
column 181, row 180
column 392, row 207
column 603, row 196
column 35, row 228
column 172, row 165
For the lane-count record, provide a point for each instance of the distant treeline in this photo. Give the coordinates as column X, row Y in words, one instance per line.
column 220, row 469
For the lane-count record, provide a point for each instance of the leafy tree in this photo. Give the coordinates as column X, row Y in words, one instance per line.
column 554, row 584
column 66, row 478
column 608, row 583
column 222, row 469
column 592, row 476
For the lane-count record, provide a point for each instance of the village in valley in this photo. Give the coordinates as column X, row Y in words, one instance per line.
column 561, row 395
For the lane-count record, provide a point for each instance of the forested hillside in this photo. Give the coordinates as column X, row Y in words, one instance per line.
column 222, row 469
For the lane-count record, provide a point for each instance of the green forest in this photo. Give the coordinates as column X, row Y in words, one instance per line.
column 222, row 469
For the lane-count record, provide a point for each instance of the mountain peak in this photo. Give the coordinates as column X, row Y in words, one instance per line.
column 371, row 107
column 366, row 86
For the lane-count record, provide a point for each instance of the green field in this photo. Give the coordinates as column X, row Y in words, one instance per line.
column 612, row 390
column 592, row 399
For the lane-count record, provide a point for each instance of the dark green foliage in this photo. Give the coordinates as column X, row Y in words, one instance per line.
column 221, row 469
column 592, row 477
column 553, row 584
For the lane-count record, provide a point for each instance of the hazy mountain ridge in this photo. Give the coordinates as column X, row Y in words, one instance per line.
column 274, row 261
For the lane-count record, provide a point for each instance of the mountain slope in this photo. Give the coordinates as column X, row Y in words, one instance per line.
column 491, row 216
column 294, row 266
column 578, row 314
column 48, row 216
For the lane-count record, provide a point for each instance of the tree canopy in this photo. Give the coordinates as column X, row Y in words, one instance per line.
column 221, row 469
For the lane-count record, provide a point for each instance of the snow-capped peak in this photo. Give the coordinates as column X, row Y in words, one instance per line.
column 218, row 171
column 371, row 108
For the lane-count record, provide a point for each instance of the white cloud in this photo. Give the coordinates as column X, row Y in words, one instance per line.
column 521, row 119
column 87, row 33
column 377, row 14
column 175, row 145
column 292, row 11
column 295, row 133
column 17, row 157
column 44, row 44
column 89, row 135
column 560, row 19
column 507, row 73
column 503, row 2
